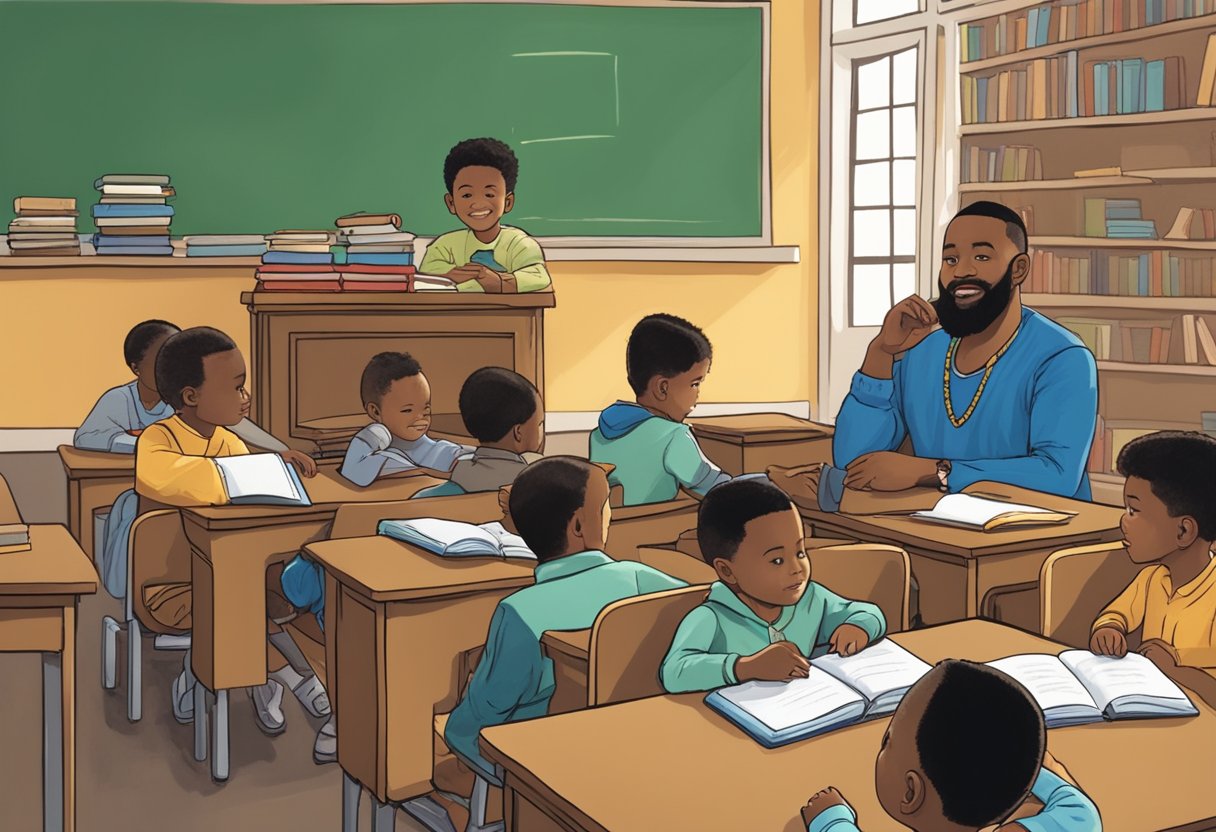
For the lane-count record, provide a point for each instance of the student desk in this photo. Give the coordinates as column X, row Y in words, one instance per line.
column 749, row 443
column 232, row 546
column 959, row 571
column 598, row 769
column 95, row 479
column 39, row 591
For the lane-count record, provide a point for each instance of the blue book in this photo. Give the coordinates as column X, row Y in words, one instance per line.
column 1032, row 28
column 1101, row 89
column 159, row 250
column 103, row 240
column 225, row 251
column 380, row 259
column 299, row 258
column 1144, row 267
column 1133, row 92
column 1044, row 25
column 108, row 210
column 975, row 35
column 1154, row 86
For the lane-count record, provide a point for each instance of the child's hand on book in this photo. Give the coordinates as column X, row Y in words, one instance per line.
column 1159, row 653
column 820, row 802
column 778, row 662
column 306, row 465
column 848, row 639
column 1108, row 641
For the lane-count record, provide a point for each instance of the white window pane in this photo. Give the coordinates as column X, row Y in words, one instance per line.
column 871, row 233
column 904, row 131
column 904, row 185
column 905, row 78
column 871, row 294
column 874, row 84
column 874, row 135
column 869, row 11
column 872, row 184
column 903, row 282
column 905, row 231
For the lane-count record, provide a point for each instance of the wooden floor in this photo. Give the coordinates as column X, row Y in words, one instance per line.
column 142, row 776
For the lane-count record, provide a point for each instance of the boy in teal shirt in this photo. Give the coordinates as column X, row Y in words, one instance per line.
column 764, row 618
column 485, row 256
column 560, row 507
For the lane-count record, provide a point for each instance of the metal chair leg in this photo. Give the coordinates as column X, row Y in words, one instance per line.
column 352, row 792
column 219, row 737
column 200, row 722
column 109, row 653
column 384, row 816
column 135, row 689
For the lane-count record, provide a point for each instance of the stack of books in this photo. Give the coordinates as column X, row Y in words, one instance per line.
column 44, row 227
column 133, row 216
column 14, row 537
column 379, row 255
column 1045, row 89
column 225, row 245
column 298, row 261
column 1117, row 219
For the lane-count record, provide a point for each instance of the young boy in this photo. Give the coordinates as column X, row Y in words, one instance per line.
column 1170, row 524
column 965, row 748
column 504, row 413
column 397, row 397
column 560, row 507
column 200, row 373
column 764, row 619
column 486, row 256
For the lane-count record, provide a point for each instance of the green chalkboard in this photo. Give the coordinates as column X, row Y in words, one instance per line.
column 627, row 121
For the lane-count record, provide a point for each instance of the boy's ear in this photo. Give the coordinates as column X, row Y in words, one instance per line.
column 1187, row 531
column 373, row 410
column 726, row 571
column 914, row 793
column 190, row 397
column 508, row 203
column 134, row 369
column 574, row 529
column 451, row 203
column 659, row 387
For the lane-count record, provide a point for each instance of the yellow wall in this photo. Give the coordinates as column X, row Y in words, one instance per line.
column 61, row 338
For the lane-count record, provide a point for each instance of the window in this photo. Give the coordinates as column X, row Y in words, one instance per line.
column 869, row 11
column 883, row 223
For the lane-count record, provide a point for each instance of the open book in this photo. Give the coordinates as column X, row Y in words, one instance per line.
column 261, row 479
column 454, row 539
column 1079, row 687
column 971, row 512
column 838, row 692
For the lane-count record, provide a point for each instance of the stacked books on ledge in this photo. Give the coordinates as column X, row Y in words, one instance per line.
column 14, row 537
column 379, row 255
column 133, row 215
column 1118, row 219
column 225, row 245
column 44, row 227
column 298, row 261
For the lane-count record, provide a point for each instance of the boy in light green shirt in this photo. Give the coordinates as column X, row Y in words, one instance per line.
column 485, row 256
column 764, row 618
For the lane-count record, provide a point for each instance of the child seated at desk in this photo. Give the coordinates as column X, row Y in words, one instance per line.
column 1169, row 524
column 764, row 618
column 397, row 397
column 963, row 751
column 485, row 256
column 560, row 507
column 504, row 413
column 201, row 375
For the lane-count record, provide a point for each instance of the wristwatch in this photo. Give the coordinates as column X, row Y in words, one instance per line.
column 943, row 474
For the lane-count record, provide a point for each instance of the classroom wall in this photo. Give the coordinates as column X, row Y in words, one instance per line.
column 61, row 337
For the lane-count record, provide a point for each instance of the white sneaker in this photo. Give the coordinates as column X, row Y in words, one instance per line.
column 325, row 749
column 268, row 707
column 313, row 697
column 183, row 698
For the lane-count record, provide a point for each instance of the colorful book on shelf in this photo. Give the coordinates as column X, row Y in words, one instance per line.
column 1094, row 334
column 1207, row 78
column 1207, row 344
column 1097, row 451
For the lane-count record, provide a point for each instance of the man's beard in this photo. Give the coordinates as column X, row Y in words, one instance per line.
column 958, row 322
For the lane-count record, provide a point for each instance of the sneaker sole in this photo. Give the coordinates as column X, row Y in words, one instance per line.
column 262, row 726
column 324, row 759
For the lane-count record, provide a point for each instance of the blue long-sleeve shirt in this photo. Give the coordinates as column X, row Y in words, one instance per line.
column 117, row 411
column 1065, row 809
column 1033, row 426
column 374, row 452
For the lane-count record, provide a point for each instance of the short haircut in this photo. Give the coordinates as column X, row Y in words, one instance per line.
column 730, row 506
column 494, row 400
column 1180, row 468
column 1015, row 229
column 981, row 741
column 382, row 371
column 544, row 497
column 180, row 362
column 135, row 345
column 663, row 345
column 488, row 153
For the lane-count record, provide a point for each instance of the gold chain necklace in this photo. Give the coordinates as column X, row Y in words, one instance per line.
column 975, row 400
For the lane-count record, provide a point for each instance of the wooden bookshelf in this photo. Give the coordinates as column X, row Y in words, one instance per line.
column 1127, row 120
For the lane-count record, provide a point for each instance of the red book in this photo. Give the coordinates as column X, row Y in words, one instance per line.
column 299, row 286
column 375, row 285
column 364, row 268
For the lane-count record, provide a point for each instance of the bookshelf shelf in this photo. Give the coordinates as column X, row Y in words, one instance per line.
column 1130, row 120
column 1164, row 176
column 1049, row 301
column 1110, row 243
column 1075, row 184
column 1158, row 369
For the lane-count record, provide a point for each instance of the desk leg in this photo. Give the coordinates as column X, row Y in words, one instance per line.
column 59, row 732
column 200, row 722
column 75, row 521
column 219, row 737
column 384, row 816
column 352, row 792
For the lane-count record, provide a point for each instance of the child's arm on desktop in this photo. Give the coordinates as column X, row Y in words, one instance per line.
column 683, row 459
column 1065, row 807
column 1179, row 665
column 828, row 811
column 691, row 665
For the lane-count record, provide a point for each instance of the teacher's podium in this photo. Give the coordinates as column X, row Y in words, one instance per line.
column 309, row 351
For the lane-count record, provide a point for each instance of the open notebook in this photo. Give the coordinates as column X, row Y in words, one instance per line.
column 838, row 692
column 1079, row 687
column 261, row 479
column 971, row 512
column 454, row 539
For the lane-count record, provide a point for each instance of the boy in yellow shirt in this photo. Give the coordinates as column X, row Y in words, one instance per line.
column 200, row 373
column 485, row 256
column 1170, row 523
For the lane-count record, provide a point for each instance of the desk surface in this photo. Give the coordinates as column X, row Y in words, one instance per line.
column 293, row 301
column 1093, row 523
column 54, row 565
column 575, row 644
column 564, row 758
column 85, row 464
column 752, row 428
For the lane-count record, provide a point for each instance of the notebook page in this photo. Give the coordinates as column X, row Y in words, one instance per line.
column 977, row 511
column 256, row 475
column 513, row 546
column 1108, row 678
column 450, row 532
column 880, row 668
column 1049, row 681
column 781, row 705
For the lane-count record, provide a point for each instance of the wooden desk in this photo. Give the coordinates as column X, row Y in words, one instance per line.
column 39, row 591
column 636, row 526
column 556, row 767
column 309, row 351
column 9, row 513
column 959, row 570
column 398, row 622
column 95, row 479
column 749, row 443
column 569, row 651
